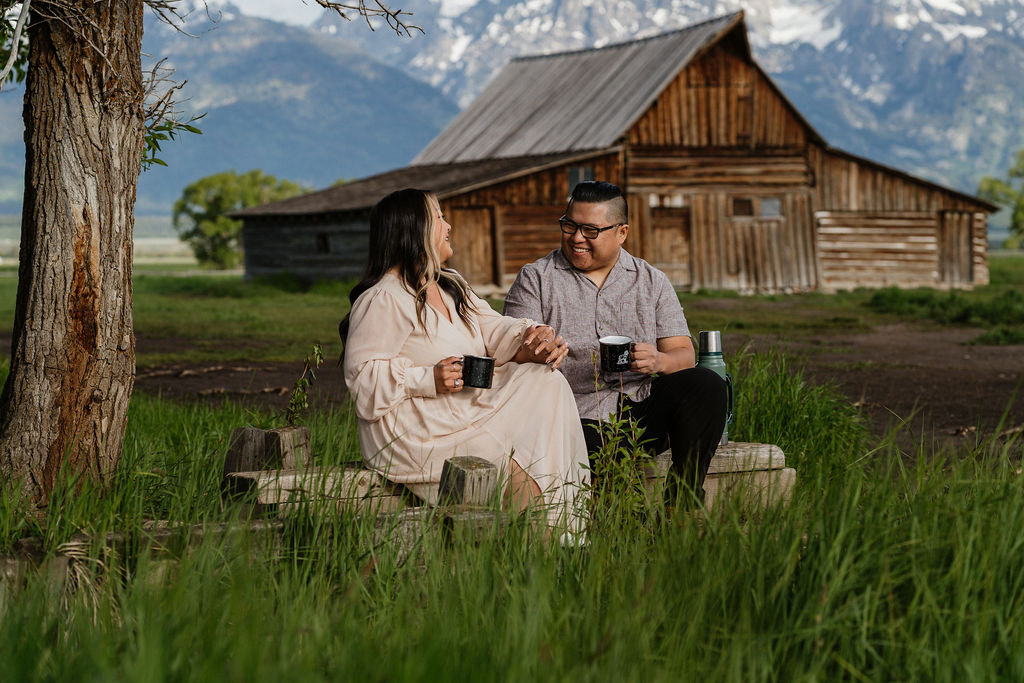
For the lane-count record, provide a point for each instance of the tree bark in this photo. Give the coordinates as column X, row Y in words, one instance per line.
column 64, row 406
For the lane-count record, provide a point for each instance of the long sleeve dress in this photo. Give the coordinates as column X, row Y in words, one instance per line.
column 407, row 431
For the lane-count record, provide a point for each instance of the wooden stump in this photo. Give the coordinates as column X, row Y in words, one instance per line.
column 467, row 480
column 265, row 449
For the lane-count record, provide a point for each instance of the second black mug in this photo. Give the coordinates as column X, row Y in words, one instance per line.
column 477, row 371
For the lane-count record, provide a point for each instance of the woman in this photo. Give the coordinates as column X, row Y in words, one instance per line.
column 411, row 322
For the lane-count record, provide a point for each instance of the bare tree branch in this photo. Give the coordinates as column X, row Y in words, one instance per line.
column 392, row 17
column 159, row 96
column 13, row 57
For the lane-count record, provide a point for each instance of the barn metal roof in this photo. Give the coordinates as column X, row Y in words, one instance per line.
column 445, row 180
column 571, row 101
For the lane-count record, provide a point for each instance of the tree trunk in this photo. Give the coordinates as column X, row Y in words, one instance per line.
column 64, row 405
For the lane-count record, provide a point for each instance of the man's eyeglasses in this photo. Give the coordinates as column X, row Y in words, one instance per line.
column 569, row 227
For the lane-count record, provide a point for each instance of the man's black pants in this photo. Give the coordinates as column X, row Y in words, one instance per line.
column 685, row 411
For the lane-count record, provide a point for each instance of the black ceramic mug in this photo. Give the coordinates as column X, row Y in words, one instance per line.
column 477, row 371
column 615, row 353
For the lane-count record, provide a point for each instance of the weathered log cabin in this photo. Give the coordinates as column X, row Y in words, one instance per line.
column 729, row 187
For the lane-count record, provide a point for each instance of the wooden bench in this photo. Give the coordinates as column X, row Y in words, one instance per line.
column 756, row 471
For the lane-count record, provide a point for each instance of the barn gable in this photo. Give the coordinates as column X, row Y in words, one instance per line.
column 571, row 101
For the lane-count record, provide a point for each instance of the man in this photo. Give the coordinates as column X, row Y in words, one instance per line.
column 591, row 288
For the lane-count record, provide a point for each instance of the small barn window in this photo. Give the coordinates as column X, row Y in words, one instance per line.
column 771, row 207
column 579, row 174
column 742, row 206
column 323, row 243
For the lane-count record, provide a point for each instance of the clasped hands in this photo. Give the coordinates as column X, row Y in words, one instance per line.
column 540, row 345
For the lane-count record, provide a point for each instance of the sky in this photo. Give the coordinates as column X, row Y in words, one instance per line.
column 305, row 12
column 288, row 11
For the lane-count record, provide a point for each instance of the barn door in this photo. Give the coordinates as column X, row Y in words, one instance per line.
column 472, row 241
column 955, row 248
column 670, row 243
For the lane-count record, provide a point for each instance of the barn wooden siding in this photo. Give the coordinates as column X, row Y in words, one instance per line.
column 877, row 227
column 720, row 131
column 498, row 229
column 309, row 246
column 719, row 100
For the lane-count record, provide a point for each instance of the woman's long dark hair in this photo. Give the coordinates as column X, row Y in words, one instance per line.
column 402, row 234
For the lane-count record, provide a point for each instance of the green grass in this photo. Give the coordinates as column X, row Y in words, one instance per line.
column 1000, row 303
column 886, row 565
column 225, row 318
column 1001, row 313
column 879, row 569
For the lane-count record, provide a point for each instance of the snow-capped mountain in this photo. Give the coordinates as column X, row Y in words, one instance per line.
column 933, row 87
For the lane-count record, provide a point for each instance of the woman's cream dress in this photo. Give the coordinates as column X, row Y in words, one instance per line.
column 407, row 431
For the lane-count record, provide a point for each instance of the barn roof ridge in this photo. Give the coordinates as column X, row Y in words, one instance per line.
column 588, row 102
column 627, row 43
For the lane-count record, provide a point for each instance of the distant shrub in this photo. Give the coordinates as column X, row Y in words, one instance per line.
column 1001, row 335
column 950, row 308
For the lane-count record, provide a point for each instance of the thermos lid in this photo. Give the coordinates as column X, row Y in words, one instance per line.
column 710, row 341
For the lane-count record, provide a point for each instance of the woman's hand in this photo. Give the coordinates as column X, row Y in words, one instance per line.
column 448, row 375
column 542, row 345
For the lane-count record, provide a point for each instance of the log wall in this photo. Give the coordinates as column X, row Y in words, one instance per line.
column 891, row 219
column 311, row 247
column 873, row 249
column 979, row 248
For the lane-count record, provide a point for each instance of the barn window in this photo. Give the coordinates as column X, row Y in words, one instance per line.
column 579, row 174
column 771, row 207
column 742, row 206
column 323, row 243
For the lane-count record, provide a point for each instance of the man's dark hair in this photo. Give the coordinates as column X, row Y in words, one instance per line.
column 599, row 192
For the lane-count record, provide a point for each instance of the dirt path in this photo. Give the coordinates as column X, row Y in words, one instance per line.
column 946, row 391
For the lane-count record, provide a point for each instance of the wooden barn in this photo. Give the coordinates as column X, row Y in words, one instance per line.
column 728, row 186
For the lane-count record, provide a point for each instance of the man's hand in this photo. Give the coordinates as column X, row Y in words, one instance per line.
column 670, row 355
column 646, row 359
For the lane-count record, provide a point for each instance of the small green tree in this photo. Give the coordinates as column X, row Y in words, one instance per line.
column 1009, row 192
column 200, row 215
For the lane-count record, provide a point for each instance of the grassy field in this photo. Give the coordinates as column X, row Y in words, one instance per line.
column 886, row 565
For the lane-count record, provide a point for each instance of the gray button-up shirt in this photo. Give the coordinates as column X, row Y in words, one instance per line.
column 636, row 300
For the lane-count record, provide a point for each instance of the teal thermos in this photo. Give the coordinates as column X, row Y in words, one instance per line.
column 710, row 357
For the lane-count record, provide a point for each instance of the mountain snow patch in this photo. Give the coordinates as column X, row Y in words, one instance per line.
column 948, row 6
column 459, row 48
column 791, row 23
column 950, row 32
column 453, row 8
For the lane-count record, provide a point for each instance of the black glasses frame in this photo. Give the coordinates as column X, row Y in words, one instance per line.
column 569, row 227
